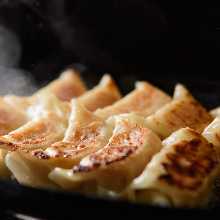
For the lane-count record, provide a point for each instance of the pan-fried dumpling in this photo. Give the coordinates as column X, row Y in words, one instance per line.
column 183, row 111
column 212, row 134
column 50, row 119
column 102, row 95
column 86, row 134
column 144, row 100
column 114, row 166
column 181, row 174
column 47, row 127
column 215, row 112
column 67, row 86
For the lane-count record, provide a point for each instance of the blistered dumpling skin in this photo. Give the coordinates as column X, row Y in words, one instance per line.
column 215, row 112
column 212, row 134
column 181, row 174
column 144, row 100
column 104, row 94
column 183, row 111
column 114, row 166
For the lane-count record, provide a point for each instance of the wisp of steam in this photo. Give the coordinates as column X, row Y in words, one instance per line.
column 12, row 79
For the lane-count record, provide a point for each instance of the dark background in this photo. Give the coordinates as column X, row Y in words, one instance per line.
column 151, row 38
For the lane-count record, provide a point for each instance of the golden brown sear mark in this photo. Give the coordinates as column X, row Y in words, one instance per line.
column 107, row 157
column 189, row 164
column 81, row 139
column 120, row 147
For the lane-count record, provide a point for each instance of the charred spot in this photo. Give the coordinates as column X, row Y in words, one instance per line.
column 12, row 146
column 185, row 147
column 41, row 155
column 189, row 164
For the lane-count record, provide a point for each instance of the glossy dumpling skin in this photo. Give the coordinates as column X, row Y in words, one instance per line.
column 114, row 166
column 181, row 174
column 183, row 111
column 212, row 134
column 144, row 100
column 215, row 112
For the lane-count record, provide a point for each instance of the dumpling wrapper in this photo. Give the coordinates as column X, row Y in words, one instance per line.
column 181, row 174
column 86, row 134
column 144, row 100
column 212, row 134
column 114, row 166
column 215, row 112
column 42, row 131
column 181, row 112
column 67, row 86
column 106, row 93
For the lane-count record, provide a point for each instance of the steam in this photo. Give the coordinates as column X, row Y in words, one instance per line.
column 12, row 79
column 10, row 50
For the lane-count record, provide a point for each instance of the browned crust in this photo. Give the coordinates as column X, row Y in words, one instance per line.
column 108, row 156
column 189, row 164
column 121, row 146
